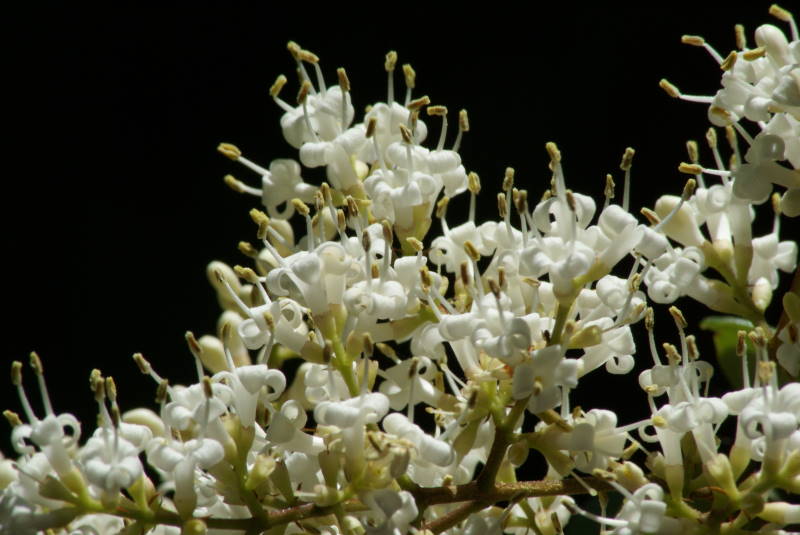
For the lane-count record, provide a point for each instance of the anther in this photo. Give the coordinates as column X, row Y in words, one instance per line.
column 98, row 385
column 410, row 76
column 473, row 183
column 464, row 274
column 387, row 350
column 247, row 249
column 405, row 133
column 741, row 39
column 419, row 103
column 277, row 86
column 368, row 344
column 439, row 111
column 609, row 189
column 741, row 344
column 672, row 352
column 472, row 252
column 677, row 315
column 553, row 152
column 780, row 13
column 627, row 159
column 229, row 150
column 728, row 63
column 415, row 244
column 162, row 391
column 441, row 207
column 508, row 179
column 690, row 168
column 754, row 53
column 247, row 274
column 207, row 390
column 301, row 207
column 691, row 344
column 371, row 125
column 693, row 40
column 194, row 345
column 501, row 205
column 688, row 189
column 670, row 89
column 691, row 149
column 344, row 81
column 302, row 94
column 711, row 138
column 651, row 216
column 463, row 121
column 142, row 363
column 388, row 235
column 391, row 61
column 649, row 319
column 425, row 277
column 16, row 373
column 494, row 287
column 13, row 418
column 571, row 203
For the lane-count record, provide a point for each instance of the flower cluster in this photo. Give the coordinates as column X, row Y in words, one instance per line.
column 434, row 366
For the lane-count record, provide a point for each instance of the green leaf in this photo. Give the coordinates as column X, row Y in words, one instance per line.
column 725, row 330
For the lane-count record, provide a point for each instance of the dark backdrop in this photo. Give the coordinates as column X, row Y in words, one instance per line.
column 115, row 200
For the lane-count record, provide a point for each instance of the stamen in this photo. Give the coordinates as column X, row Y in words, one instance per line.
column 344, row 85
column 686, row 194
column 474, row 187
column 695, row 40
column 463, row 126
column 297, row 53
column 275, row 90
column 625, row 165
column 781, row 14
column 741, row 38
column 389, row 65
column 442, row 112
column 674, row 92
column 608, row 192
column 38, row 370
column 411, row 81
column 196, row 349
column 302, row 99
column 16, row 380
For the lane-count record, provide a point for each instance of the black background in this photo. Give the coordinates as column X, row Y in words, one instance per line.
column 114, row 200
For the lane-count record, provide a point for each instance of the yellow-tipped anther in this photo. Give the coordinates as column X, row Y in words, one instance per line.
column 13, row 418
column 711, row 137
column 162, row 391
column 729, row 62
column 776, row 203
column 410, row 76
column 690, row 168
column 677, row 315
column 391, row 61
column 463, row 121
column 277, row 85
column 441, row 207
column 437, row 110
column 419, row 103
column 609, row 189
column 371, row 126
column 247, row 274
column 142, row 363
column 741, row 39
column 294, row 49
column 691, row 149
column 473, row 183
column 553, row 152
column 16, row 373
column 229, row 150
column 36, row 363
column 688, row 189
column 301, row 207
column 671, row 90
column 627, row 159
column 386, row 228
column 652, row 217
column 693, row 40
column 501, row 205
column 111, row 389
column 754, row 53
column 234, row 184
column 508, row 179
column 415, row 244
column 344, row 81
column 194, row 345
column 780, row 13
column 308, row 56
column 649, row 319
